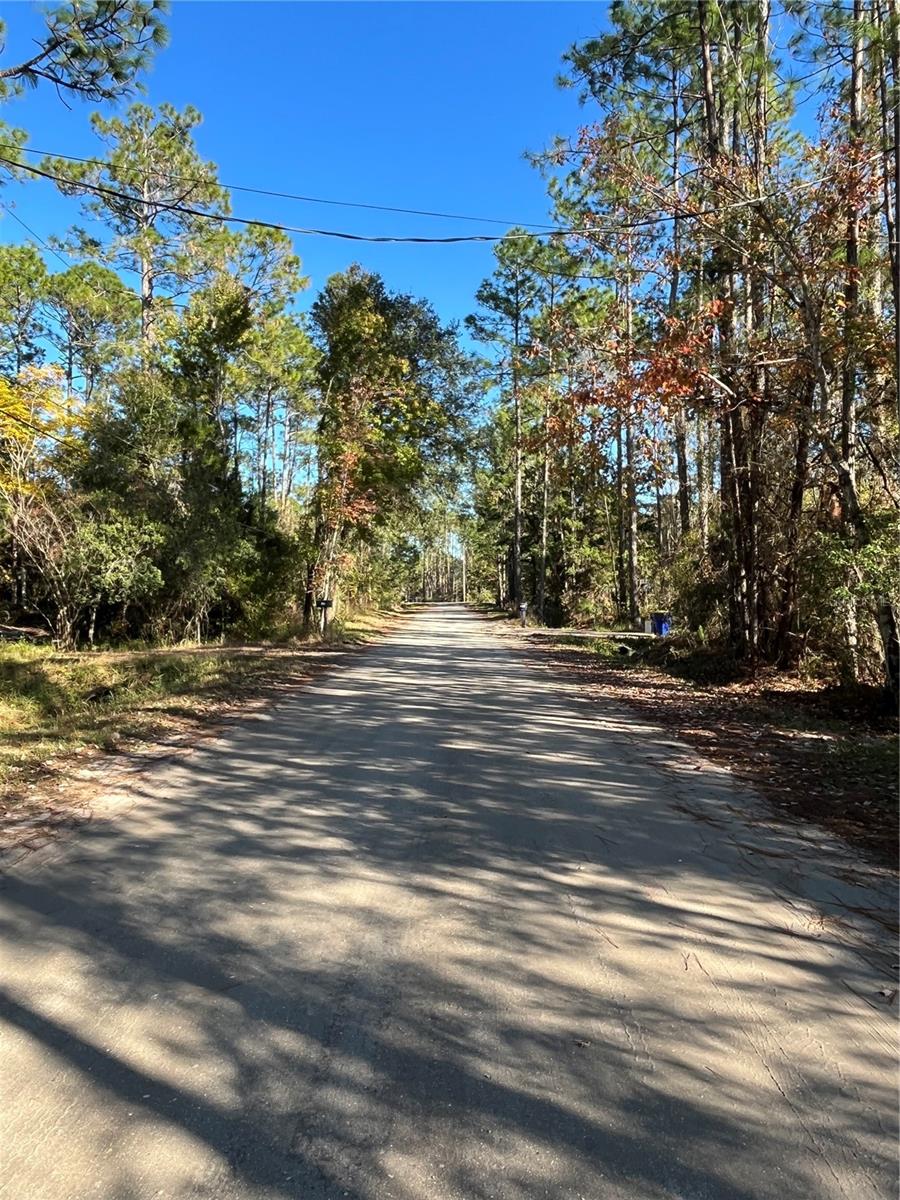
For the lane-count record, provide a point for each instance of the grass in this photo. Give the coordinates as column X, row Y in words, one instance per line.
column 56, row 705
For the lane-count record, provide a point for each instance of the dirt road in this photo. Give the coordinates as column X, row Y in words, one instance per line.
column 438, row 929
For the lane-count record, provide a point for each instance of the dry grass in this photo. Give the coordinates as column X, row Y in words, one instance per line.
column 57, row 706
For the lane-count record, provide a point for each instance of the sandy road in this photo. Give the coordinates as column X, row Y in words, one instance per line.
column 438, row 929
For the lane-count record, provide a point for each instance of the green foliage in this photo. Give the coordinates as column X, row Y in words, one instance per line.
column 23, row 284
column 146, row 202
column 90, row 48
column 91, row 318
column 109, row 557
column 691, row 413
column 693, row 399
column 692, row 588
column 396, row 392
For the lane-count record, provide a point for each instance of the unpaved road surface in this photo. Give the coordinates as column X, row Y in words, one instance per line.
column 437, row 928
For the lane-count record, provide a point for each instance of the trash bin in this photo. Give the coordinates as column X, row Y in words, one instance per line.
column 660, row 623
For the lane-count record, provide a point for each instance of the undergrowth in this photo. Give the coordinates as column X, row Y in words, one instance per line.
column 56, row 703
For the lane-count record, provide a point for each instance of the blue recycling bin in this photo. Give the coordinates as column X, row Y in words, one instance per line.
column 660, row 623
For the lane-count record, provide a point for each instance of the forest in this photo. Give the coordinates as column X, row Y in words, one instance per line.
column 699, row 385
column 682, row 398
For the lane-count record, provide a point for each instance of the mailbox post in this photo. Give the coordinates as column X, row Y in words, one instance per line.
column 323, row 606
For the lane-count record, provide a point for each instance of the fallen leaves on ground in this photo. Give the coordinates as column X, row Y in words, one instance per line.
column 817, row 755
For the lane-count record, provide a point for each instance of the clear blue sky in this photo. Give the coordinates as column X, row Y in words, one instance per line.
column 413, row 104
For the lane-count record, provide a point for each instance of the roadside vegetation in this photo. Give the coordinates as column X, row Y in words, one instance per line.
column 697, row 387
column 59, row 707
column 819, row 752
column 191, row 457
column 685, row 400
column 697, row 392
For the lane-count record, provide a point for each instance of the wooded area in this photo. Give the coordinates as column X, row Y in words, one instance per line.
column 699, row 389
column 686, row 401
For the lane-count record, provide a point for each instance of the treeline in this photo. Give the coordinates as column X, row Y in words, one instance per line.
column 182, row 455
column 695, row 379
column 698, row 384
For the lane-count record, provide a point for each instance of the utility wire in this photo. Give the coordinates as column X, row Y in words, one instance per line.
column 37, row 237
column 189, row 210
column 235, row 187
column 34, row 428
column 491, row 238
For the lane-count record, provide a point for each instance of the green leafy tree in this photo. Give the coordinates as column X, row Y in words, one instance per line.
column 395, row 393
column 275, row 379
column 23, row 287
column 92, row 49
column 507, row 301
column 151, row 177
column 91, row 317
column 108, row 560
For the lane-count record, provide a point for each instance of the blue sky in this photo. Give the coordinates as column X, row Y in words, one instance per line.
column 422, row 105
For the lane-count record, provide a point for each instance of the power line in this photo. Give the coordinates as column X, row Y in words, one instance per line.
column 34, row 428
column 189, row 210
column 235, row 187
column 490, row 238
column 50, row 249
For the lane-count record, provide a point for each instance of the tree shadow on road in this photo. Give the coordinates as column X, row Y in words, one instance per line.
column 423, row 934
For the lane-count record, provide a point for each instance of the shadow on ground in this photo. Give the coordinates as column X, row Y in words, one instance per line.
column 432, row 930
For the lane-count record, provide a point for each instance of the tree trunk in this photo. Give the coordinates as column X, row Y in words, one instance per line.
column 848, row 430
column 545, row 466
column 309, row 596
column 632, row 525
column 681, row 458
column 681, row 463
column 703, row 482
column 887, row 627
column 518, row 455
column 64, row 628
column 892, row 179
column 786, row 649
column 146, row 268
column 621, row 584
column 710, row 108
column 630, row 474
column 545, row 515
column 734, row 443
